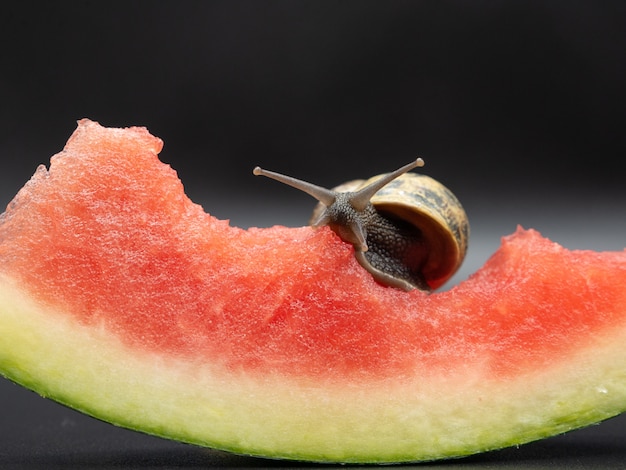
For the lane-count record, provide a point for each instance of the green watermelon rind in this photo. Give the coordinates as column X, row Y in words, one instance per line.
column 409, row 420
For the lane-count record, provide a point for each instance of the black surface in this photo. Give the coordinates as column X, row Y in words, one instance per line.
column 519, row 107
column 510, row 98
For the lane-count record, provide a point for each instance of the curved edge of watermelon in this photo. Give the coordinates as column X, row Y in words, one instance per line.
column 274, row 417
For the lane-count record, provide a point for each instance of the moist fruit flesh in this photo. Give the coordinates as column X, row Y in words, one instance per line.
column 122, row 298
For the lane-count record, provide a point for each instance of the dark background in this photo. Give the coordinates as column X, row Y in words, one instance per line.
column 518, row 106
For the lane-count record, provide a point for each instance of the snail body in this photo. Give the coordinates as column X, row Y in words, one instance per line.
column 408, row 230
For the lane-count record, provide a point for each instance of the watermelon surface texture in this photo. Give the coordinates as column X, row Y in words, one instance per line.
column 122, row 298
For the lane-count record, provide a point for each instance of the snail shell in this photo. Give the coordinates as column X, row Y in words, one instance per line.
column 408, row 230
column 429, row 206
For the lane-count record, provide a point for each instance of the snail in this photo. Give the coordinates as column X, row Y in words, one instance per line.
column 408, row 230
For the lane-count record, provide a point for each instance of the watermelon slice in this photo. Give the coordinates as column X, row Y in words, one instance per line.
column 123, row 299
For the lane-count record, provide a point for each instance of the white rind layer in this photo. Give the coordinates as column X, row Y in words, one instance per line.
column 430, row 416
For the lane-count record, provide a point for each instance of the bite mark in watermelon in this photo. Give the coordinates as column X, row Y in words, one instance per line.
column 123, row 299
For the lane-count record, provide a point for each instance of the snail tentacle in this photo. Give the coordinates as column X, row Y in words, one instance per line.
column 323, row 195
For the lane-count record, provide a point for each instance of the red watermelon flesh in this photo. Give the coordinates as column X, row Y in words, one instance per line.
column 124, row 299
